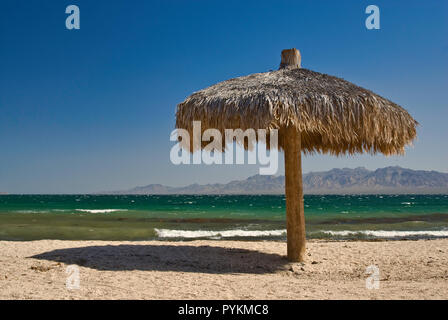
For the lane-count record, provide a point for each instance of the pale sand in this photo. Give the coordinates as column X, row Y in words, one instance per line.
column 222, row 270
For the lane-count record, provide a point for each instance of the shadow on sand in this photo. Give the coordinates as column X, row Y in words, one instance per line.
column 183, row 258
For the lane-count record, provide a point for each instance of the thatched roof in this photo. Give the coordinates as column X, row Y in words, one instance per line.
column 333, row 115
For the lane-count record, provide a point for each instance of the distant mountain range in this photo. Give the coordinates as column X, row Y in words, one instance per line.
column 389, row 180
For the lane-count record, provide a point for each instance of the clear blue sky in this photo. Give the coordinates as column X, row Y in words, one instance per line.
column 92, row 109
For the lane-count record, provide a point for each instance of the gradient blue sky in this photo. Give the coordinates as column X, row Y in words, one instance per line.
column 92, row 109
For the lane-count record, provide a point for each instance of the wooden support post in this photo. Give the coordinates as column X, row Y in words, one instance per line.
column 295, row 217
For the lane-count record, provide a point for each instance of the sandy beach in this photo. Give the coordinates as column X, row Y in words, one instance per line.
column 222, row 270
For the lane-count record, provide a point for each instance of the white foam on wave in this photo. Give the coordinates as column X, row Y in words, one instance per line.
column 32, row 211
column 100, row 210
column 390, row 234
column 168, row 233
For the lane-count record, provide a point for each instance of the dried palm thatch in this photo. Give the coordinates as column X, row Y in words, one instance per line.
column 333, row 115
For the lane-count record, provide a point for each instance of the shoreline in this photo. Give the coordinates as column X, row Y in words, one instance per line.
column 223, row 269
column 236, row 240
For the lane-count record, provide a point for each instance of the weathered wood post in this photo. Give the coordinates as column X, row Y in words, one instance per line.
column 295, row 217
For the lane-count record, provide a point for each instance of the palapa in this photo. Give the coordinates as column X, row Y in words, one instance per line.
column 313, row 112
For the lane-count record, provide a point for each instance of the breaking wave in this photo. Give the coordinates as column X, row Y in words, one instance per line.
column 390, row 234
column 100, row 210
column 168, row 233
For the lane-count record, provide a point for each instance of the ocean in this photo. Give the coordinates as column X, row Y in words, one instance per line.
column 248, row 217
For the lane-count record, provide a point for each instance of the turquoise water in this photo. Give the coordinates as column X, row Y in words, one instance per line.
column 142, row 217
